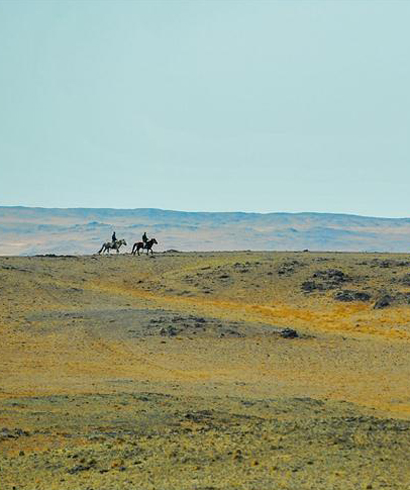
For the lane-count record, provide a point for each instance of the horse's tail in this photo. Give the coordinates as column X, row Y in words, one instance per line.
column 133, row 249
column 101, row 249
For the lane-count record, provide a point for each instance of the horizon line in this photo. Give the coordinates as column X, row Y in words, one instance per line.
column 207, row 212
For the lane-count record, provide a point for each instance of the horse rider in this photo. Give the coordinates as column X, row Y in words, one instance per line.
column 113, row 238
column 144, row 239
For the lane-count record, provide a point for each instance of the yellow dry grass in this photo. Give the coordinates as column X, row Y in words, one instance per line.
column 357, row 353
column 74, row 363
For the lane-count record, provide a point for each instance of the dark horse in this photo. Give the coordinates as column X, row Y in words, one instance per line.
column 144, row 246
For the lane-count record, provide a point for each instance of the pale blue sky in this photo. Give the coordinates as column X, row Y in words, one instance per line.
column 215, row 106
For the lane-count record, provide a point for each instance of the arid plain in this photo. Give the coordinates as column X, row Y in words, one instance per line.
column 180, row 371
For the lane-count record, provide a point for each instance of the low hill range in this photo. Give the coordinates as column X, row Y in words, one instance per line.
column 31, row 231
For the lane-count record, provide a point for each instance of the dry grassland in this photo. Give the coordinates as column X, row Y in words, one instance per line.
column 172, row 372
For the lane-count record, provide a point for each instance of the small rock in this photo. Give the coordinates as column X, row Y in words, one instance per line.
column 78, row 468
column 289, row 333
column 170, row 331
column 309, row 286
column 383, row 302
column 347, row 295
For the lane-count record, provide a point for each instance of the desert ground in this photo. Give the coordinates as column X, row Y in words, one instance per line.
column 231, row 370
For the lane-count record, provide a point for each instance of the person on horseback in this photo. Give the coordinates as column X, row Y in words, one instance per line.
column 144, row 239
column 113, row 238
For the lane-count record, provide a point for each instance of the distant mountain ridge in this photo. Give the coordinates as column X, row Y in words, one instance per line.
column 30, row 230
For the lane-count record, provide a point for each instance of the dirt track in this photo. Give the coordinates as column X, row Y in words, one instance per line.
column 171, row 372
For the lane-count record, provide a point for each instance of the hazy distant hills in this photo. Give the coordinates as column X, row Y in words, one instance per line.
column 29, row 231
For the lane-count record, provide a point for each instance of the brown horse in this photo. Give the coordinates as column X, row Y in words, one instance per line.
column 144, row 246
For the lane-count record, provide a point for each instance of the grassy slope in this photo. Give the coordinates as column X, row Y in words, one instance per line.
column 86, row 371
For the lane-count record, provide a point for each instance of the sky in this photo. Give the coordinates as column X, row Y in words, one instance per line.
column 258, row 106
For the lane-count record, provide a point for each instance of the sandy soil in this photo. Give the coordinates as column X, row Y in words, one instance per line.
column 173, row 372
